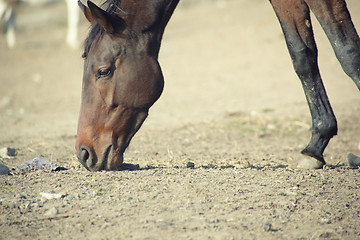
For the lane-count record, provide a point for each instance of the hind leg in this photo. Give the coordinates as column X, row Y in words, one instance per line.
column 294, row 17
column 335, row 19
column 10, row 27
column 73, row 21
column 7, row 14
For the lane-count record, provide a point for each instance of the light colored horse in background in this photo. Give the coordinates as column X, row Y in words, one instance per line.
column 7, row 14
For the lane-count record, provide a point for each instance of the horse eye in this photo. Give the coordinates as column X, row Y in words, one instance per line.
column 103, row 72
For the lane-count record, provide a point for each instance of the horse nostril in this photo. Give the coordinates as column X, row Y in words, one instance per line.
column 85, row 157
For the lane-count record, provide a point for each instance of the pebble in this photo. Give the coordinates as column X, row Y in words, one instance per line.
column 247, row 164
column 91, row 193
column 70, row 197
column 7, row 152
column 50, row 196
column 353, row 160
column 23, row 196
column 5, row 102
column 267, row 227
column 51, row 212
column 190, row 165
column 37, row 164
column 4, row 170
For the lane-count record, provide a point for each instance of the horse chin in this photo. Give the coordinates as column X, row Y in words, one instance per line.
column 113, row 159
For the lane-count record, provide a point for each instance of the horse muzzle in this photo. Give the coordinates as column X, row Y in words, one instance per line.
column 108, row 159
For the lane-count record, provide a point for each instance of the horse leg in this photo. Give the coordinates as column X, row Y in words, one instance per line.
column 6, row 11
column 335, row 19
column 294, row 17
column 10, row 27
column 73, row 20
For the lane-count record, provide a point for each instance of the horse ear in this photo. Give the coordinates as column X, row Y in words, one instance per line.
column 110, row 23
column 102, row 17
column 86, row 12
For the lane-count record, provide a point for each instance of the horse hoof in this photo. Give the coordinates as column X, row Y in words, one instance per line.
column 307, row 163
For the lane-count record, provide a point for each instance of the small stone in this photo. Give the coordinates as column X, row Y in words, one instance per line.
column 325, row 220
column 190, row 165
column 70, row 197
column 267, row 227
column 91, row 193
column 5, row 102
column 35, row 206
column 50, row 196
column 247, row 164
column 11, row 151
column 7, row 152
column 23, row 196
column 4, row 170
column 353, row 160
column 38, row 163
column 51, row 212
column 105, row 226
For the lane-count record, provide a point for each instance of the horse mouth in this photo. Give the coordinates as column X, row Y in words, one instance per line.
column 107, row 156
column 113, row 158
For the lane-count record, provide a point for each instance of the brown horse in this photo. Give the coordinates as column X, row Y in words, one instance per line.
column 122, row 77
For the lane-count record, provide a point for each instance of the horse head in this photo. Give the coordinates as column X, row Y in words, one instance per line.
column 122, row 78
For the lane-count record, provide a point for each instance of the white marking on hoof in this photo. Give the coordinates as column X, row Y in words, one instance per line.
column 307, row 163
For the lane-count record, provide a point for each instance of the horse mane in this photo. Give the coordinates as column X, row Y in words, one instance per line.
column 96, row 31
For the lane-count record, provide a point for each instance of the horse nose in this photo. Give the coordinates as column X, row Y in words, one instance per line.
column 86, row 157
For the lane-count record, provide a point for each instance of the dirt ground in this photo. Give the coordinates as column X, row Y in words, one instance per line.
column 232, row 105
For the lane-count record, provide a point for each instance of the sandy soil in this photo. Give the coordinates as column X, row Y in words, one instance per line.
column 232, row 105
